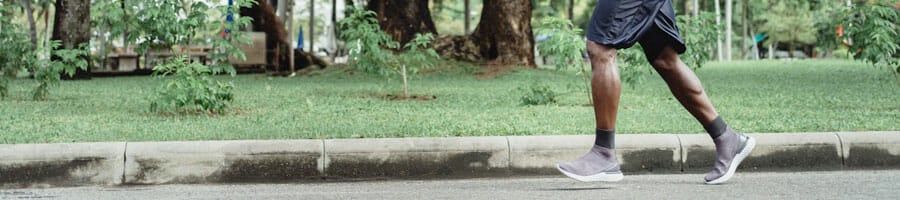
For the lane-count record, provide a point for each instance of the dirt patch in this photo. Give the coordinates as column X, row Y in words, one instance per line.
column 491, row 71
column 394, row 97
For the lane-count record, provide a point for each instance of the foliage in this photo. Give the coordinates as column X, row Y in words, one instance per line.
column 826, row 25
column 366, row 41
column 223, row 47
column 47, row 72
column 699, row 34
column 565, row 43
column 367, row 44
column 788, row 21
column 538, row 94
column 15, row 49
column 188, row 86
column 418, row 55
column 874, row 35
column 633, row 65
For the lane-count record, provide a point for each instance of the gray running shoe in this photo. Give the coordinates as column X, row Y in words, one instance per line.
column 597, row 165
column 731, row 149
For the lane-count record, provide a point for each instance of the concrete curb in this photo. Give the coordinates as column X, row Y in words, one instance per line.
column 114, row 163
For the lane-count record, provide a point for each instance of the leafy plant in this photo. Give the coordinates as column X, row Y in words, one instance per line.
column 873, row 34
column 15, row 49
column 47, row 72
column 189, row 87
column 538, row 94
column 699, row 33
column 368, row 53
column 566, row 46
column 367, row 42
column 418, row 56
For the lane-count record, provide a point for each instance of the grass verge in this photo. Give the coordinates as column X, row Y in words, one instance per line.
column 757, row 96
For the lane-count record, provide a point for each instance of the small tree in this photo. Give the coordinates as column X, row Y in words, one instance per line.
column 367, row 49
column 873, row 34
column 48, row 72
column 188, row 85
column 565, row 44
column 418, row 55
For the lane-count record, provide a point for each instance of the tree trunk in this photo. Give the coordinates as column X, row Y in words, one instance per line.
column 402, row 19
column 504, row 34
column 278, row 48
column 32, row 32
column 467, row 15
column 718, row 33
column 312, row 27
column 696, row 8
column 72, row 28
column 745, row 24
column 728, row 28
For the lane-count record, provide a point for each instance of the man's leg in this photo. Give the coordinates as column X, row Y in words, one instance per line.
column 600, row 163
column 731, row 147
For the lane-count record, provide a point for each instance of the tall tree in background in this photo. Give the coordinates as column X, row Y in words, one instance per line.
column 504, row 32
column 402, row 19
column 789, row 22
column 72, row 27
column 32, row 32
column 503, row 36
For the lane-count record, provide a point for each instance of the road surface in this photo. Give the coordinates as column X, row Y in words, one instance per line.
column 771, row 185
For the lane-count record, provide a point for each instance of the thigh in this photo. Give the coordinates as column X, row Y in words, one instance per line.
column 654, row 41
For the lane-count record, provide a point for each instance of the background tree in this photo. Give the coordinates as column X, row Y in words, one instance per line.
column 72, row 27
column 789, row 22
column 403, row 19
column 503, row 36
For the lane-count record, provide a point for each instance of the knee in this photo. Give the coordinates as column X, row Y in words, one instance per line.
column 601, row 56
column 666, row 62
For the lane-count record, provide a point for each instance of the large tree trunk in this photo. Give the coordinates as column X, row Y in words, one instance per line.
column 72, row 27
column 402, row 19
column 504, row 33
column 278, row 48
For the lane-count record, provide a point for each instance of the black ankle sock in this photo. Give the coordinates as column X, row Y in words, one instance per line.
column 605, row 138
column 716, row 127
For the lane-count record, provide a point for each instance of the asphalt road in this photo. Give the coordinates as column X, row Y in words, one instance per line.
column 782, row 185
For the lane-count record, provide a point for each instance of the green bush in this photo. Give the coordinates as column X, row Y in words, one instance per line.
column 538, row 94
column 566, row 46
column 873, row 33
column 189, row 87
column 368, row 51
column 47, row 72
column 14, row 51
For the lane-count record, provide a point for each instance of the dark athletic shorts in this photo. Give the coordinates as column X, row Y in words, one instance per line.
column 622, row 23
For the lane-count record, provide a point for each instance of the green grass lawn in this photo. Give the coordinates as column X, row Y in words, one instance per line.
column 760, row 96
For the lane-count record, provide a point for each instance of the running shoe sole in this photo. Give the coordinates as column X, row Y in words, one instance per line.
column 736, row 162
column 602, row 177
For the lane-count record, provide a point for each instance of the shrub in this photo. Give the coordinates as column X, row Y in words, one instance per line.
column 47, row 72
column 538, row 94
column 566, row 45
column 367, row 44
column 189, row 87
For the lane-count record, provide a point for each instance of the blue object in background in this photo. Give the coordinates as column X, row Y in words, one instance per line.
column 229, row 18
column 300, row 39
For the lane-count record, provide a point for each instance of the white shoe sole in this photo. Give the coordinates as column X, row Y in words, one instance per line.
column 735, row 163
column 601, row 177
